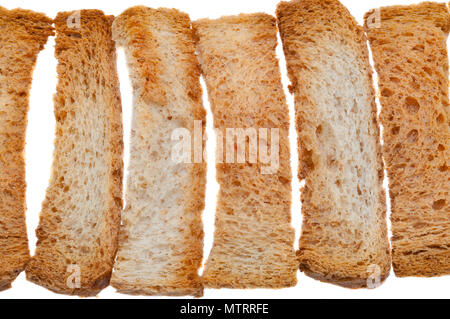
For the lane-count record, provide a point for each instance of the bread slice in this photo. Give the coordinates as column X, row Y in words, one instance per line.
column 253, row 239
column 23, row 35
column 161, row 239
column 80, row 217
column 344, row 234
column 410, row 54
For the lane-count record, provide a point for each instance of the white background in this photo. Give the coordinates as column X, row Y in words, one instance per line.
column 40, row 137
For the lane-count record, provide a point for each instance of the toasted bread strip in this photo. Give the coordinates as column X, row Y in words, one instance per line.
column 410, row 54
column 80, row 217
column 344, row 234
column 253, row 239
column 23, row 34
column 161, row 240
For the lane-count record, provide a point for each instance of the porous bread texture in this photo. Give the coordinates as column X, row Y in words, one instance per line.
column 161, row 239
column 344, row 233
column 23, row 34
column 80, row 217
column 410, row 54
column 253, row 238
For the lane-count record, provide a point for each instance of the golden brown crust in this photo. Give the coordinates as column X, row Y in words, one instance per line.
column 187, row 288
column 166, row 80
column 433, row 13
column 71, row 232
column 410, row 54
column 307, row 27
column 351, row 282
column 253, row 238
column 23, row 35
column 143, row 43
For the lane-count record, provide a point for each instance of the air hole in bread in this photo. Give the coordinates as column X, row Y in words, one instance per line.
column 331, row 161
column 412, row 105
column 284, row 180
column 413, row 136
column 428, row 70
column 419, row 48
column 319, row 130
column 386, row 92
column 440, row 119
column 74, row 35
column 441, row 147
column 395, row 130
column 359, row 172
column 61, row 116
column 358, row 190
column 355, row 107
column 443, row 168
column 307, row 159
column 439, row 204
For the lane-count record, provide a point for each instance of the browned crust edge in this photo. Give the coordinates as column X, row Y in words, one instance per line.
column 426, row 12
column 352, row 283
column 37, row 27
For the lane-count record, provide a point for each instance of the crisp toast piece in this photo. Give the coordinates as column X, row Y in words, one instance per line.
column 23, row 35
column 410, row 54
column 80, row 217
column 344, row 233
column 161, row 240
column 253, row 239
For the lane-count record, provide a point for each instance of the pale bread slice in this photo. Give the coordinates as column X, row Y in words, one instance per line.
column 80, row 217
column 161, row 240
column 344, row 237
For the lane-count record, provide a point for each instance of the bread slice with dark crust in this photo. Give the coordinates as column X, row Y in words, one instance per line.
column 161, row 239
column 80, row 217
column 409, row 46
column 23, row 34
column 253, row 238
column 344, row 233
